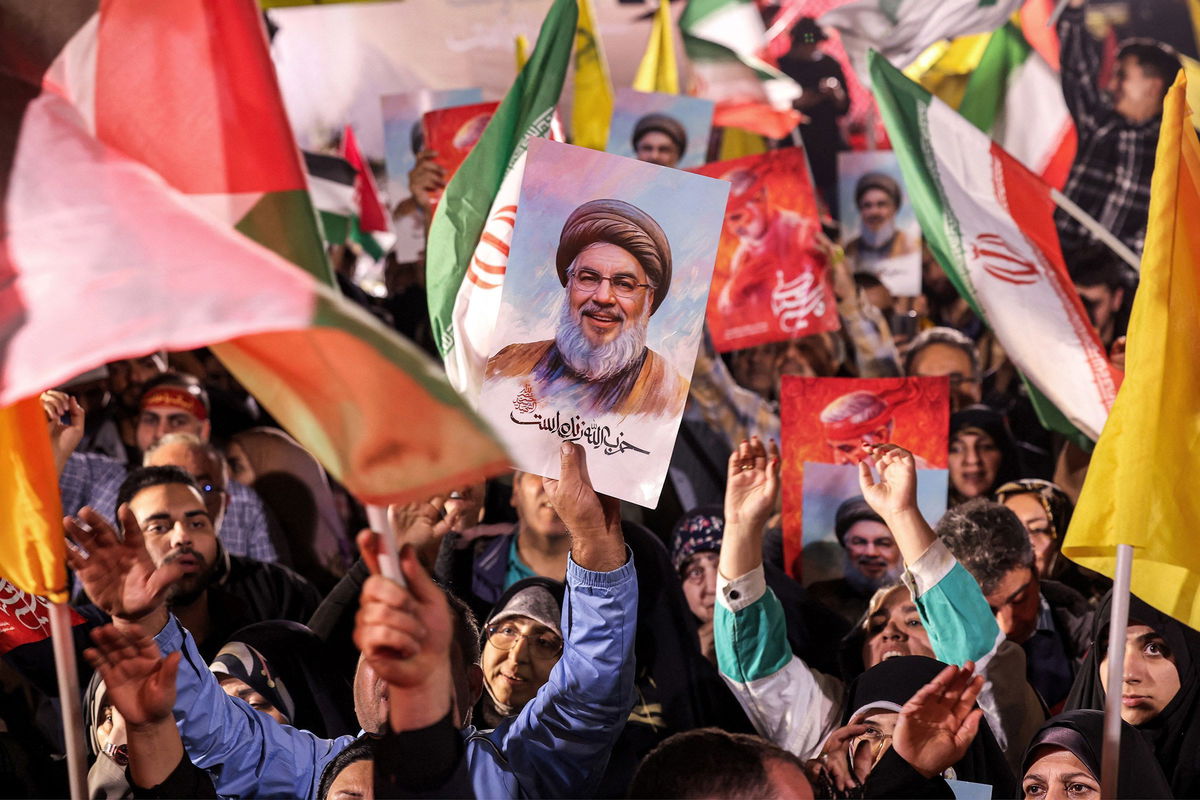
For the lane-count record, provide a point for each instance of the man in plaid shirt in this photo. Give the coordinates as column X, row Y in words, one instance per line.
column 1118, row 134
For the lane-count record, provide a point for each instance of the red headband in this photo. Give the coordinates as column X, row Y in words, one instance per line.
column 176, row 397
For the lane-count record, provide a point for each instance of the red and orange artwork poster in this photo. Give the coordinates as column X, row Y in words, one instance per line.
column 770, row 281
column 826, row 420
column 452, row 132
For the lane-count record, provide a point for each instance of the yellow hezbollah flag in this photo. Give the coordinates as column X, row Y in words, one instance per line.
column 946, row 66
column 522, row 51
column 592, row 109
column 1141, row 485
column 33, row 555
column 657, row 72
column 1191, row 68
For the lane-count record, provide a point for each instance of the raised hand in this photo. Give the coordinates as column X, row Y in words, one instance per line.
column 423, row 525
column 938, row 724
column 752, row 485
column 896, row 490
column 141, row 683
column 64, row 438
column 118, row 574
column 427, row 180
column 593, row 520
column 833, row 765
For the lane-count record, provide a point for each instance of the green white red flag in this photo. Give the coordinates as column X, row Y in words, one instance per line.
column 989, row 222
column 153, row 198
column 1016, row 97
column 467, row 253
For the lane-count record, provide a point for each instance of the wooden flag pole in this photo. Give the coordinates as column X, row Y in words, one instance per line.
column 1096, row 229
column 1052, row 20
column 68, row 695
column 1110, row 758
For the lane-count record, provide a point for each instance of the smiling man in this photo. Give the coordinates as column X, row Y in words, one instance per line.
column 614, row 261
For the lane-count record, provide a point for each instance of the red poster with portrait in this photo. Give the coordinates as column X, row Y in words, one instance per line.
column 826, row 420
column 452, row 132
column 770, row 281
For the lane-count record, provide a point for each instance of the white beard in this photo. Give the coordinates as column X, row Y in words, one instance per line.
column 595, row 363
column 876, row 239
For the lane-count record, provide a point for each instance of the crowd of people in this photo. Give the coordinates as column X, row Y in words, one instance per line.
column 544, row 640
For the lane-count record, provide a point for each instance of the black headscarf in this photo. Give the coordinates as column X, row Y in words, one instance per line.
column 1082, row 734
column 293, row 669
column 1175, row 732
column 893, row 682
column 994, row 424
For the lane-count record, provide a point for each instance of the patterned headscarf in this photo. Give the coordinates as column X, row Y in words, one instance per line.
column 698, row 531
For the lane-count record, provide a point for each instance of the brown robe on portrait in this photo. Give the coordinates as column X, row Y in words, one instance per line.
column 647, row 386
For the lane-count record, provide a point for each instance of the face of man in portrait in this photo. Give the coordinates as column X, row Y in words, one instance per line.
column 749, row 220
column 656, row 147
column 849, row 451
column 876, row 209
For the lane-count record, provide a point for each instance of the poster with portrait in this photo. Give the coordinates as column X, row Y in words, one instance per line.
column 601, row 314
column 826, row 420
column 880, row 231
column 770, row 282
column 671, row 129
column 452, row 132
column 403, row 139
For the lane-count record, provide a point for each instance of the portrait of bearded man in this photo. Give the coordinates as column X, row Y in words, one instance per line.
column 614, row 261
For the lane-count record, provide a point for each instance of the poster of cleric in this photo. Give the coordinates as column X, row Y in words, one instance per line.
column 770, row 282
column 608, row 276
column 827, row 420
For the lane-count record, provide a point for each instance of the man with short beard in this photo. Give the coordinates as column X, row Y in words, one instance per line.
column 219, row 592
column 878, row 199
column 615, row 263
column 872, row 560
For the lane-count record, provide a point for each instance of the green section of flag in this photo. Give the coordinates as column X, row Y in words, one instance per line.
column 286, row 223
column 988, row 85
column 463, row 210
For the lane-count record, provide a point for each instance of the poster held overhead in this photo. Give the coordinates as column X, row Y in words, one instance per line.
column 603, row 305
column 658, row 121
column 880, row 232
column 452, row 132
column 770, row 282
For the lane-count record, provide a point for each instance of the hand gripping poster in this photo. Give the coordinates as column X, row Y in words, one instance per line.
column 603, row 305
column 770, row 282
column 826, row 421
column 452, row 132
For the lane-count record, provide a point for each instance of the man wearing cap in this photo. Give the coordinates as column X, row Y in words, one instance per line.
column 659, row 139
column 614, row 261
column 878, row 198
column 872, row 560
column 170, row 403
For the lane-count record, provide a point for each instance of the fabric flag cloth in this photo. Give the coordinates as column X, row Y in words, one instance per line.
column 1015, row 97
column 990, row 223
column 159, row 132
column 331, row 182
column 945, row 67
column 900, row 30
column 522, row 47
column 658, row 71
column 472, row 227
column 1140, row 488
column 724, row 40
column 371, row 217
column 33, row 553
column 591, row 111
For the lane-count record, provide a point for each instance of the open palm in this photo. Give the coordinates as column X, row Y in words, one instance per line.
column 938, row 724
column 752, row 484
column 140, row 682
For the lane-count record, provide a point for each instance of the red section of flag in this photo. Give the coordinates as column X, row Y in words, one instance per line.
column 757, row 117
column 371, row 216
column 1034, row 15
column 187, row 87
column 24, row 617
column 1059, row 166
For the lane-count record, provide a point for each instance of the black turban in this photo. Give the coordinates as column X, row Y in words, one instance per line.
column 626, row 226
column 877, row 180
column 668, row 126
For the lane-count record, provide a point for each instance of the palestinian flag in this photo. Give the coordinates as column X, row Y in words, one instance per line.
column 331, row 183
column 468, row 240
column 724, row 41
column 153, row 197
column 1015, row 97
column 990, row 222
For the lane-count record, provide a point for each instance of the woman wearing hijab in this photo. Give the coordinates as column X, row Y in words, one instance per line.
column 1063, row 760
column 1160, row 688
column 294, row 486
column 874, row 754
column 983, row 454
column 1045, row 511
column 106, row 743
column 285, row 671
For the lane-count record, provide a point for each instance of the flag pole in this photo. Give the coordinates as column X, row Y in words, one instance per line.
column 1111, row 754
column 1052, row 20
column 1096, row 229
column 68, row 695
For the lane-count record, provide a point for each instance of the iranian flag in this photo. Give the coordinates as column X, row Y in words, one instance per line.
column 990, row 223
column 153, row 198
column 467, row 253
column 1016, row 97
column 725, row 41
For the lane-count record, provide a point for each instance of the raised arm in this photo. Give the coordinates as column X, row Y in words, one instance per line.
column 1080, row 60
column 64, row 436
column 894, row 497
